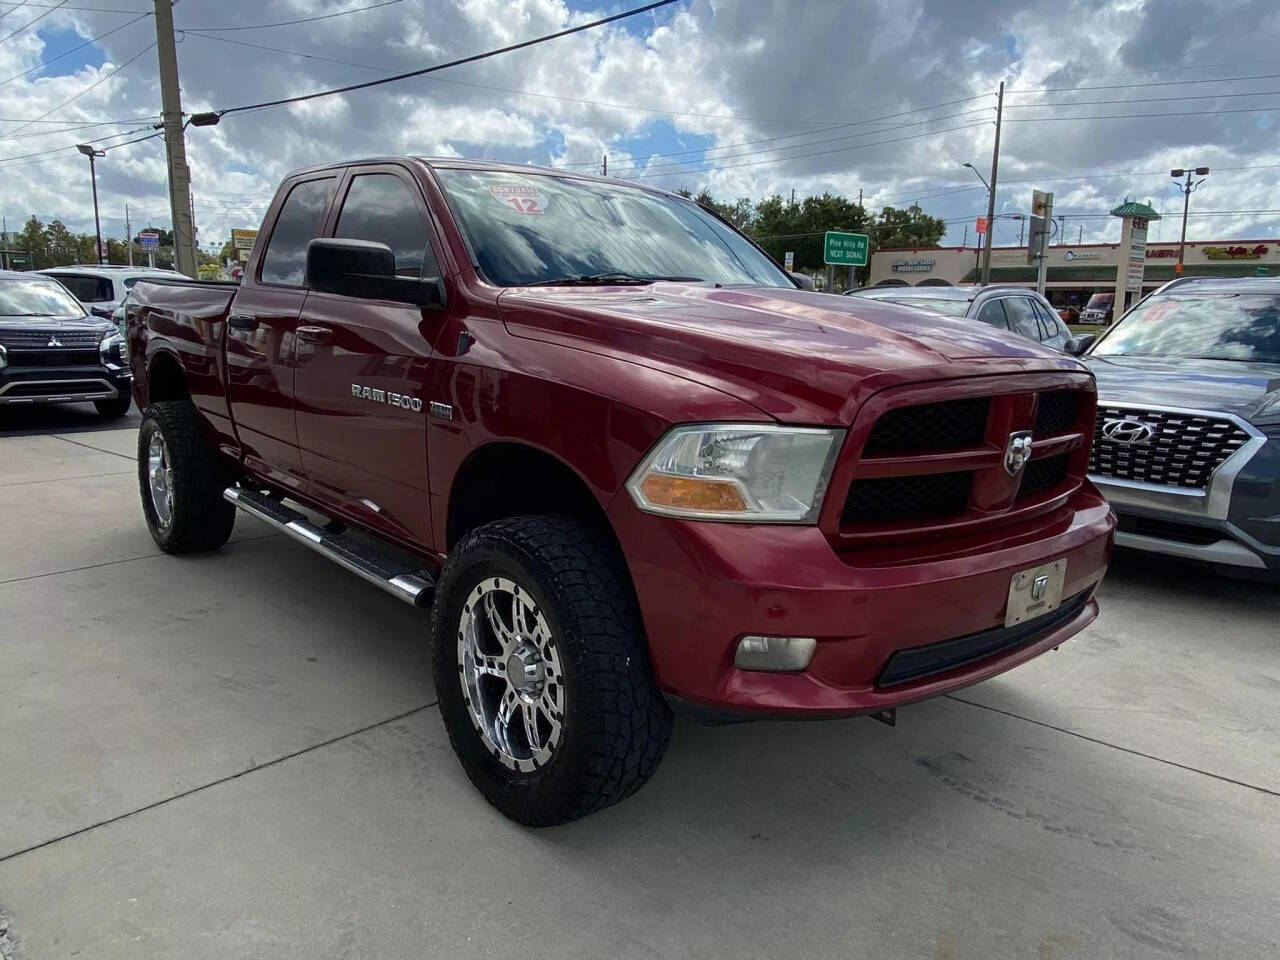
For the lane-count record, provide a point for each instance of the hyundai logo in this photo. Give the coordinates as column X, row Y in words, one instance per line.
column 1130, row 432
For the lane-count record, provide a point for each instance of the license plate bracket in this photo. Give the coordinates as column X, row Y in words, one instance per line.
column 1035, row 591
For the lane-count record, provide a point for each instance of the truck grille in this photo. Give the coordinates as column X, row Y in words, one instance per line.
column 39, row 339
column 942, row 462
column 54, row 358
column 930, row 427
column 1184, row 450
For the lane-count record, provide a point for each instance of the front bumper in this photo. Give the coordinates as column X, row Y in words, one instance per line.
column 702, row 586
column 1234, row 521
column 62, row 384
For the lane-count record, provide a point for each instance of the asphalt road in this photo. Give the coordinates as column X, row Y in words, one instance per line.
column 238, row 756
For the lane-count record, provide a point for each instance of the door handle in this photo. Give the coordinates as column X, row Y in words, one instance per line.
column 242, row 321
column 310, row 334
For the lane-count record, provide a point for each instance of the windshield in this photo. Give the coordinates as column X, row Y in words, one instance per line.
column 1100, row 301
column 37, row 298
column 1227, row 326
column 526, row 228
column 952, row 308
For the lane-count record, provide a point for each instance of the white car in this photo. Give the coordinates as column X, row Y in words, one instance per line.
column 103, row 288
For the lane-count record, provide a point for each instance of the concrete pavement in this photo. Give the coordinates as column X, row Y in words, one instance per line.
column 237, row 755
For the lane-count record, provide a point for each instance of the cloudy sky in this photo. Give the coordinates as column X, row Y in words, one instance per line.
column 745, row 97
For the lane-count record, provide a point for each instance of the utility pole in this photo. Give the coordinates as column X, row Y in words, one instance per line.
column 184, row 241
column 128, row 235
column 991, row 189
column 1080, row 239
column 1186, row 189
column 604, row 167
column 965, row 242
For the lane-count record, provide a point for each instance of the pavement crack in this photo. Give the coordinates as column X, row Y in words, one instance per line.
column 221, row 780
column 87, row 476
column 1115, row 746
column 89, row 446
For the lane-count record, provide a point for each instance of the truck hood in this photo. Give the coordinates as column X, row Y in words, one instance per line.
column 1224, row 386
column 798, row 356
column 52, row 324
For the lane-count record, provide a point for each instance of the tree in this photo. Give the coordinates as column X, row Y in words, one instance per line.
column 35, row 241
column 909, row 227
column 780, row 226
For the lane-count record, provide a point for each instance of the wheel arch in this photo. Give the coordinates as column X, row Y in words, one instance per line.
column 166, row 379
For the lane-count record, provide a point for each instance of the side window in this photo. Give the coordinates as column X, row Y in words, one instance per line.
column 1022, row 317
column 379, row 207
column 993, row 313
column 1048, row 321
column 87, row 289
column 301, row 218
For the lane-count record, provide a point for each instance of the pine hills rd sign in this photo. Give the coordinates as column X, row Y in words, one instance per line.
column 846, row 249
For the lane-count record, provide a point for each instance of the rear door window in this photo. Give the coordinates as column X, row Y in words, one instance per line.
column 1048, row 321
column 992, row 313
column 87, row 289
column 1022, row 317
column 300, row 221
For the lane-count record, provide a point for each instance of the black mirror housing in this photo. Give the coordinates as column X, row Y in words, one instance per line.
column 365, row 269
column 103, row 313
column 1080, row 344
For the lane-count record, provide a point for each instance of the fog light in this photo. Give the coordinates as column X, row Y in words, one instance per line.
column 775, row 654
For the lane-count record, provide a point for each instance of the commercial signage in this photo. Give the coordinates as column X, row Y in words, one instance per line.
column 242, row 243
column 1162, row 254
column 1137, row 254
column 914, row 265
column 789, row 260
column 846, row 249
column 1235, row 253
column 1082, row 255
column 148, row 239
column 982, row 225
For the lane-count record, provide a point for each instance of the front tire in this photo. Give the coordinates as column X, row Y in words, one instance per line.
column 116, row 408
column 181, row 481
column 542, row 670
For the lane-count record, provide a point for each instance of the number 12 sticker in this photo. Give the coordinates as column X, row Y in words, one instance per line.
column 519, row 197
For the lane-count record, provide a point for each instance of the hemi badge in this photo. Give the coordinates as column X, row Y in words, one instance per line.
column 442, row 410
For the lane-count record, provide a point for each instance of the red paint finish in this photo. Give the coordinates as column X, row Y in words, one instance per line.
column 593, row 377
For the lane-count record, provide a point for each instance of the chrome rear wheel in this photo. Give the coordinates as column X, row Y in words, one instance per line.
column 160, row 475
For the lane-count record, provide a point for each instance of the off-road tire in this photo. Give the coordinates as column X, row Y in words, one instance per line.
column 616, row 724
column 201, row 519
column 116, row 408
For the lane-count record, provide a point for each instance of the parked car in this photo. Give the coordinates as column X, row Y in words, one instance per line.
column 51, row 351
column 628, row 464
column 1099, row 308
column 1187, row 444
column 102, row 287
column 1069, row 314
column 1018, row 309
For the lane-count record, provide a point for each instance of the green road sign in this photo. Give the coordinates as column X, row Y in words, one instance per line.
column 1263, row 271
column 846, row 249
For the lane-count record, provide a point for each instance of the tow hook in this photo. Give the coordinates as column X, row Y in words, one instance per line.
column 888, row 717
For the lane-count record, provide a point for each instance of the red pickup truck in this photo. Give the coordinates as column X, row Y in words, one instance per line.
column 624, row 460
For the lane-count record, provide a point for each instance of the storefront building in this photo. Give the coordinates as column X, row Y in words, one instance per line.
column 1074, row 273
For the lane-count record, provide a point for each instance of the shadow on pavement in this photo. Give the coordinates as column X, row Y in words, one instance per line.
column 61, row 418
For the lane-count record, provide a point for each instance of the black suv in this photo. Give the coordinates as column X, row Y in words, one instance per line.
column 1019, row 309
column 51, row 351
column 1187, row 442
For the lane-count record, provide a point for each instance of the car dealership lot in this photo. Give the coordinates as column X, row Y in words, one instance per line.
column 237, row 755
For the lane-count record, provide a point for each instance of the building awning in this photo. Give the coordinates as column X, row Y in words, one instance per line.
column 1132, row 208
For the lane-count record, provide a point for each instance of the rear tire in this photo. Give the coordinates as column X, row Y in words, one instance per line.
column 181, row 481
column 114, row 409
column 571, row 621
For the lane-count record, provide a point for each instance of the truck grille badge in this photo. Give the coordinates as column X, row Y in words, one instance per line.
column 389, row 397
column 1017, row 452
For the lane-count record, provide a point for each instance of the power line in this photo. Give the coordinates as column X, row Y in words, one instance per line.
column 802, row 156
column 13, row 9
column 64, row 123
column 67, row 53
column 1182, row 69
column 1201, row 96
column 30, row 22
column 65, row 6
column 1158, row 83
column 1139, row 116
column 62, row 149
column 81, row 126
column 98, row 83
column 452, row 63
column 288, row 23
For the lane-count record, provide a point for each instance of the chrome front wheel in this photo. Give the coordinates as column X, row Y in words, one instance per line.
column 160, row 475
column 511, row 676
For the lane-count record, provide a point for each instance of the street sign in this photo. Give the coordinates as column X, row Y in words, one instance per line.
column 1041, row 201
column 146, row 240
column 242, row 242
column 789, row 260
column 846, row 249
column 982, row 225
column 1035, row 239
column 1263, row 272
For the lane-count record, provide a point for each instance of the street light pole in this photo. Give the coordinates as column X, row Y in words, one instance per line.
column 984, row 239
column 1186, row 189
column 92, row 154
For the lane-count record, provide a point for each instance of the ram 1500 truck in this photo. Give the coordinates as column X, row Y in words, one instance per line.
column 624, row 460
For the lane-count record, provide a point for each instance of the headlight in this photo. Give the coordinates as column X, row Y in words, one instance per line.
column 114, row 349
column 756, row 473
column 4, row 357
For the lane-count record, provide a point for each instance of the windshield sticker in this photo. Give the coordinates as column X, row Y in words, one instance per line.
column 519, row 197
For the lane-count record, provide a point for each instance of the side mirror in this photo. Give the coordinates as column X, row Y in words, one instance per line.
column 805, row 281
column 361, row 268
column 102, row 313
column 1076, row 346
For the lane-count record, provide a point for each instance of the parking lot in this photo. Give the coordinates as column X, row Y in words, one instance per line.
column 237, row 755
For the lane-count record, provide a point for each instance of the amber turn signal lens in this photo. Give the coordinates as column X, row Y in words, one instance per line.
column 693, row 493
